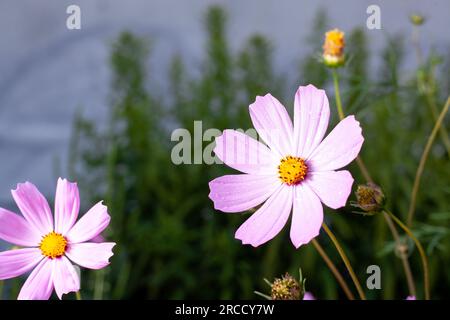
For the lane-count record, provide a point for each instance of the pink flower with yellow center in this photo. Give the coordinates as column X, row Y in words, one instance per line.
column 295, row 171
column 47, row 243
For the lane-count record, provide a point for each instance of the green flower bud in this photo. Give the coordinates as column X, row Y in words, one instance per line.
column 417, row 19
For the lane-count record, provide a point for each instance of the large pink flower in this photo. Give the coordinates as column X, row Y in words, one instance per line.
column 50, row 243
column 297, row 169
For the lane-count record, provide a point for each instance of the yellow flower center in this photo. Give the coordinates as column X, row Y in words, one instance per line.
column 334, row 43
column 292, row 170
column 53, row 245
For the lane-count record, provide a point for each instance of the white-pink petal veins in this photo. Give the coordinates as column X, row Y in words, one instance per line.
column 311, row 117
column 67, row 205
column 272, row 121
column 240, row 192
column 16, row 230
column 34, row 207
column 14, row 263
column 332, row 187
column 90, row 225
column 241, row 152
column 39, row 285
column 268, row 220
column 91, row 255
column 307, row 216
column 339, row 148
column 65, row 277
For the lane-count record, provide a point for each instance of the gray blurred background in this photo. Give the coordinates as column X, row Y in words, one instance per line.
column 47, row 72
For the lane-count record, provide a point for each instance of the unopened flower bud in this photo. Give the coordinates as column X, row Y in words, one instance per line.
column 369, row 198
column 333, row 48
column 417, row 19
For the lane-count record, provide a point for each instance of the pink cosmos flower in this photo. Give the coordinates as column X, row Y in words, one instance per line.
column 297, row 169
column 411, row 298
column 48, row 244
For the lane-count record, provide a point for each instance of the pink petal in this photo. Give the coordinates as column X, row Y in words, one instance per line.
column 16, row 230
column 243, row 153
column 332, row 187
column 14, row 263
column 339, row 148
column 268, row 220
column 236, row 193
column 39, row 285
column 90, row 225
column 308, row 296
column 307, row 217
column 34, row 207
column 65, row 277
column 67, row 205
column 97, row 239
column 271, row 120
column 91, row 255
column 311, row 117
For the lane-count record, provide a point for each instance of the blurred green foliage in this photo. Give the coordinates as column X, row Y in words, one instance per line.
column 170, row 241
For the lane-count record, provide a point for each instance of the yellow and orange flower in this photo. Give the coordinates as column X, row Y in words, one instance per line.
column 333, row 48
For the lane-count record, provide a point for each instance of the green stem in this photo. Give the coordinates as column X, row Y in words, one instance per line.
column 368, row 178
column 423, row 160
column 78, row 295
column 416, row 43
column 337, row 94
column 334, row 270
column 434, row 112
column 1, row 290
column 341, row 114
column 346, row 261
column 426, row 281
column 403, row 256
column 99, row 285
column 429, row 93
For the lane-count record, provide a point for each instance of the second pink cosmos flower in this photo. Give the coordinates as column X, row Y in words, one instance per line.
column 50, row 242
column 296, row 170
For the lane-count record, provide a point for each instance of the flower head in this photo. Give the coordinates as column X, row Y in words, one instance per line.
column 411, row 298
column 369, row 198
column 333, row 48
column 297, row 170
column 286, row 288
column 48, row 244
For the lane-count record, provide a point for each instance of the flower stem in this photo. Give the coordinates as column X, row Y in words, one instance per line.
column 416, row 44
column 99, row 285
column 78, row 295
column 1, row 290
column 334, row 270
column 405, row 263
column 429, row 93
column 341, row 114
column 423, row 160
column 346, row 261
column 434, row 112
column 423, row 256
column 337, row 94
column 368, row 178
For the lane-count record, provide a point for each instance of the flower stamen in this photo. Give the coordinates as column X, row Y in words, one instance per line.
column 53, row 245
column 292, row 170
